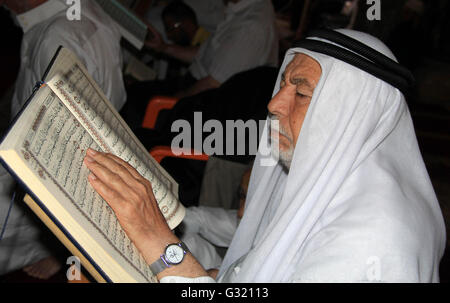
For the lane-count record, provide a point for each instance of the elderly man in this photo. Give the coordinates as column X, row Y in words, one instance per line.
column 350, row 199
column 95, row 39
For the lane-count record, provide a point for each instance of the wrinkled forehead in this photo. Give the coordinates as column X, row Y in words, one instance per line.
column 294, row 56
column 303, row 66
column 300, row 56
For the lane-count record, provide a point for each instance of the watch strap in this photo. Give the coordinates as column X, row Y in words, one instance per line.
column 184, row 247
column 160, row 264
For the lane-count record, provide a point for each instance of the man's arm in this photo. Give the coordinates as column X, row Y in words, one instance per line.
column 183, row 53
column 198, row 87
column 131, row 197
column 215, row 224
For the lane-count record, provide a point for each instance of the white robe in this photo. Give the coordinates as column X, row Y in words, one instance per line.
column 96, row 41
column 357, row 204
column 204, row 229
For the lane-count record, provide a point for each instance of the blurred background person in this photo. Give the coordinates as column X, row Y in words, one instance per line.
column 181, row 25
column 247, row 38
column 96, row 41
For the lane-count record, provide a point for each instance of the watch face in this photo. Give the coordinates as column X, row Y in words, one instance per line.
column 174, row 254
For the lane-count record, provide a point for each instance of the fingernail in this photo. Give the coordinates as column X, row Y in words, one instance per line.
column 91, row 152
column 89, row 159
column 92, row 176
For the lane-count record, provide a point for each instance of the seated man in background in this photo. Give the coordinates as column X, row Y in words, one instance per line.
column 246, row 39
column 181, row 25
column 95, row 39
column 209, row 13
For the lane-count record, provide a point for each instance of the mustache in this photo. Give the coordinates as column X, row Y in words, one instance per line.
column 275, row 126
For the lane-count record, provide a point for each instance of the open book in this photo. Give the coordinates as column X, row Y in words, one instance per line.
column 131, row 27
column 44, row 149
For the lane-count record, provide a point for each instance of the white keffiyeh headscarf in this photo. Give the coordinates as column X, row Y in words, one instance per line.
column 357, row 204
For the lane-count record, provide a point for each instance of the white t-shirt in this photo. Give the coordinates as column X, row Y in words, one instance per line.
column 209, row 12
column 246, row 39
column 95, row 39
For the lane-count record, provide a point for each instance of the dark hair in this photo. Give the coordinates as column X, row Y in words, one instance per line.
column 180, row 11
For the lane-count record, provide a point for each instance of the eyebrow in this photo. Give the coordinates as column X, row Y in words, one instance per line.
column 298, row 81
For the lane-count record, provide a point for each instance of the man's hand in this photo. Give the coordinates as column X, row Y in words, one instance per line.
column 129, row 194
column 131, row 197
column 155, row 40
column 213, row 273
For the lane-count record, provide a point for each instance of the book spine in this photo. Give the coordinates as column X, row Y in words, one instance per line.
column 36, row 87
column 50, row 65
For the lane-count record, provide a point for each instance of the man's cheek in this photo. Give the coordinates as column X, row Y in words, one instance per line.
column 296, row 128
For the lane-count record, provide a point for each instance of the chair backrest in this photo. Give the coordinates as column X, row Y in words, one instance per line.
column 154, row 106
column 161, row 152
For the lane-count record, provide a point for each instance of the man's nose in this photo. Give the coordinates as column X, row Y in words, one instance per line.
column 279, row 105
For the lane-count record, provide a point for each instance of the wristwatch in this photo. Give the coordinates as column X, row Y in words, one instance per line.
column 173, row 255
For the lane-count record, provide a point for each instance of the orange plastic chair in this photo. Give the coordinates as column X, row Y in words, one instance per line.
column 154, row 106
column 161, row 152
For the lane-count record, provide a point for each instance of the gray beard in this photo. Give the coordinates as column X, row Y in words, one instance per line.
column 286, row 163
column 284, row 157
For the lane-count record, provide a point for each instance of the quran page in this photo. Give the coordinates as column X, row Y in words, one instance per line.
column 88, row 103
column 66, row 65
column 97, row 118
